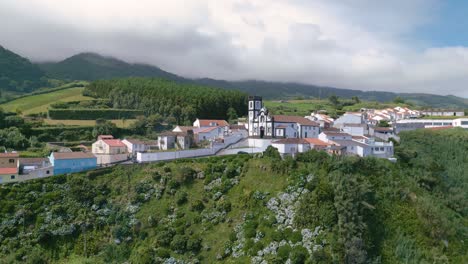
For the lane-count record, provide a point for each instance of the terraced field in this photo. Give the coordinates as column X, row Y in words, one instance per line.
column 39, row 103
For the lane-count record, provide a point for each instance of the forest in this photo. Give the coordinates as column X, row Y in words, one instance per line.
column 249, row 209
column 183, row 102
column 19, row 74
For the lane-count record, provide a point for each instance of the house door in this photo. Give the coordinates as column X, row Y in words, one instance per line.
column 262, row 132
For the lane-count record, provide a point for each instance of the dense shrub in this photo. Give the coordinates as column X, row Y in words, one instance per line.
column 93, row 114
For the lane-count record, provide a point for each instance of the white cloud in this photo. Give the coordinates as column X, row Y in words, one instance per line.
column 348, row 43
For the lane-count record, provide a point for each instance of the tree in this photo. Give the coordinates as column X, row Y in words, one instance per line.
column 334, row 100
column 399, row 100
column 383, row 123
column 231, row 114
column 104, row 127
column 356, row 99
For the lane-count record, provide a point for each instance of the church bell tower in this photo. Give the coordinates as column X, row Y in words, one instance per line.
column 255, row 105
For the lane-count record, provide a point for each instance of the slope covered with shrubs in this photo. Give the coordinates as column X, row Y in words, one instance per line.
column 243, row 209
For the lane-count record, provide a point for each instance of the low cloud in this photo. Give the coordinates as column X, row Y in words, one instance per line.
column 351, row 44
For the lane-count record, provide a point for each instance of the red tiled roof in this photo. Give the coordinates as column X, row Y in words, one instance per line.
column 209, row 122
column 114, row 142
column 316, row 142
column 9, row 155
column 105, row 137
column 294, row 119
column 73, row 155
column 4, row 171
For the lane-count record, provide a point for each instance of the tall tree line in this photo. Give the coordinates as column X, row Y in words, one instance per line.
column 183, row 102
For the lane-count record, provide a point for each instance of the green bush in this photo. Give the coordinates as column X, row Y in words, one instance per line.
column 93, row 114
column 197, row 205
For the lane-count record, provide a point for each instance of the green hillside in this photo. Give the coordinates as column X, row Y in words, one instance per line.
column 241, row 209
column 18, row 74
column 91, row 66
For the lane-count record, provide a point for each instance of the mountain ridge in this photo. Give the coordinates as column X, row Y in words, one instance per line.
column 92, row 66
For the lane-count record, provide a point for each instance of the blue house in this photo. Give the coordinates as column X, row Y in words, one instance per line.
column 70, row 162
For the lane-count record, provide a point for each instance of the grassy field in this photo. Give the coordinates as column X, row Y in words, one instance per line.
column 39, row 103
column 120, row 123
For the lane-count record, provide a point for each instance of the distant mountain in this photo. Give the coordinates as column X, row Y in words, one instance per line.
column 287, row 90
column 18, row 74
column 92, row 66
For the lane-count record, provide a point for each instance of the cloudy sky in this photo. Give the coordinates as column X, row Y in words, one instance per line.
column 398, row 45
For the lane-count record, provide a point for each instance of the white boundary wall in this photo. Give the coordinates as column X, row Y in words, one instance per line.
column 171, row 155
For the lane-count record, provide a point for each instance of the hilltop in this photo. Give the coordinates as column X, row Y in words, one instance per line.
column 18, row 74
column 92, row 66
column 244, row 209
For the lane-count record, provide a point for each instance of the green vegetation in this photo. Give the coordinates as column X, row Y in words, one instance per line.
column 313, row 209
column 180, row 102
column 91, row 66
column 92, row 114
column 39, row 103
column 18, row 74
column 122, row 123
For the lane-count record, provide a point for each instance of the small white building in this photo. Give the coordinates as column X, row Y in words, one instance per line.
column 355, row 129
column 208, row 133
column 291, row 146
column 328, row 136
column 349, row 118
column 134, row 145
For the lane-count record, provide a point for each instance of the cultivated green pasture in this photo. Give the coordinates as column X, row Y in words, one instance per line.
column 39, row 103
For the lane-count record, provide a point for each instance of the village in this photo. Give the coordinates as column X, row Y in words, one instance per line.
column 369, row 132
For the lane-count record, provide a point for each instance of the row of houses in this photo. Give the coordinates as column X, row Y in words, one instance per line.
column 107, row 150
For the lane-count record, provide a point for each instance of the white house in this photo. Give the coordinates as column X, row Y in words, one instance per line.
column 349, row 118
column 328, row 136
column 262, row 124
column 175, row 140
column 208, row 133
column 205, row 123
column 291, row 146
column 134, row 145
column 324, row 120
column 109, row 150
column 355, row 129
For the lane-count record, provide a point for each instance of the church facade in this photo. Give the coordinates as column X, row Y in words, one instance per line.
column 264, row 125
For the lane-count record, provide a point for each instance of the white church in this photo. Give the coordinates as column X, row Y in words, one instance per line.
column 263, row 125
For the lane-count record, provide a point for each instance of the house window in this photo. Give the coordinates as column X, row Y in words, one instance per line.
column 305, row 134
column 292, row 125
column 12, row 177
column 11, row 161
column 251, row 105
column 47, row 172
